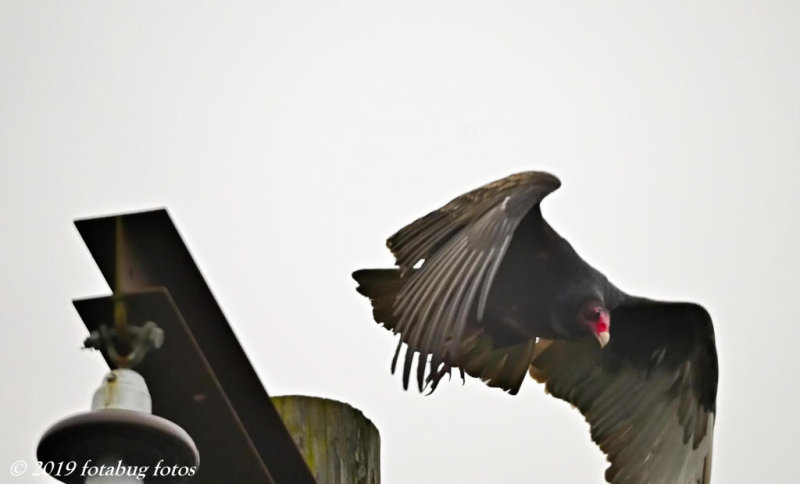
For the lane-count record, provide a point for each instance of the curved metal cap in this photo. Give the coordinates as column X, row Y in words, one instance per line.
column 137, row 438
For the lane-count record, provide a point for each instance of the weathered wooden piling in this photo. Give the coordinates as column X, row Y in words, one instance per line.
column 339, row 444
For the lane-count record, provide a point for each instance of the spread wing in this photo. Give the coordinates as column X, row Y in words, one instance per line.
column 447, row 261
column 649, row 395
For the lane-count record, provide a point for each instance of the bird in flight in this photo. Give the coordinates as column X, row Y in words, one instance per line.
column 485, row 285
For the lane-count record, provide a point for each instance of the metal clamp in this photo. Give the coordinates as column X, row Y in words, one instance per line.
column 142, row 340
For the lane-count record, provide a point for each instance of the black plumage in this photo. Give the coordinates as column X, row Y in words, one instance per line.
column 485, row 285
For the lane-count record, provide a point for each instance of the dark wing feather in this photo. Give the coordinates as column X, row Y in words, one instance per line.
column 460, row 246
column 447, row 261
column 649, row 395
column 499, row 365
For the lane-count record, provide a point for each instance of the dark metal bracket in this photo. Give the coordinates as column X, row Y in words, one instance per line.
column 201, row 378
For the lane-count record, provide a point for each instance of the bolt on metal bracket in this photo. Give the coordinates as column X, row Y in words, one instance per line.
column 142, row 340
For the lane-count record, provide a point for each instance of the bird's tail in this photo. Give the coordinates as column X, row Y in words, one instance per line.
column 380, row 286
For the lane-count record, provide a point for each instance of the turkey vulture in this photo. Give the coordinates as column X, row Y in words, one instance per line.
column 485, row 285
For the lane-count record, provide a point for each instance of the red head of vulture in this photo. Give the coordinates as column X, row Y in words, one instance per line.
column 485, row 285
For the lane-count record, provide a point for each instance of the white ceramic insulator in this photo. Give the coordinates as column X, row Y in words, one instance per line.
column 122, row 389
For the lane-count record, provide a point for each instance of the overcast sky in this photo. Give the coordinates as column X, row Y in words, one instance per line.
column 288, row 141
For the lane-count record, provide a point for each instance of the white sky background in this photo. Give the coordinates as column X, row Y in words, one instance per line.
column 288, row 141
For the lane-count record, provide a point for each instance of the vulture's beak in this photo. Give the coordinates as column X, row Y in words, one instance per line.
column 603, row 337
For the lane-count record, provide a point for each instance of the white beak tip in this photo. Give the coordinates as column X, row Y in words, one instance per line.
column 603, row 338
